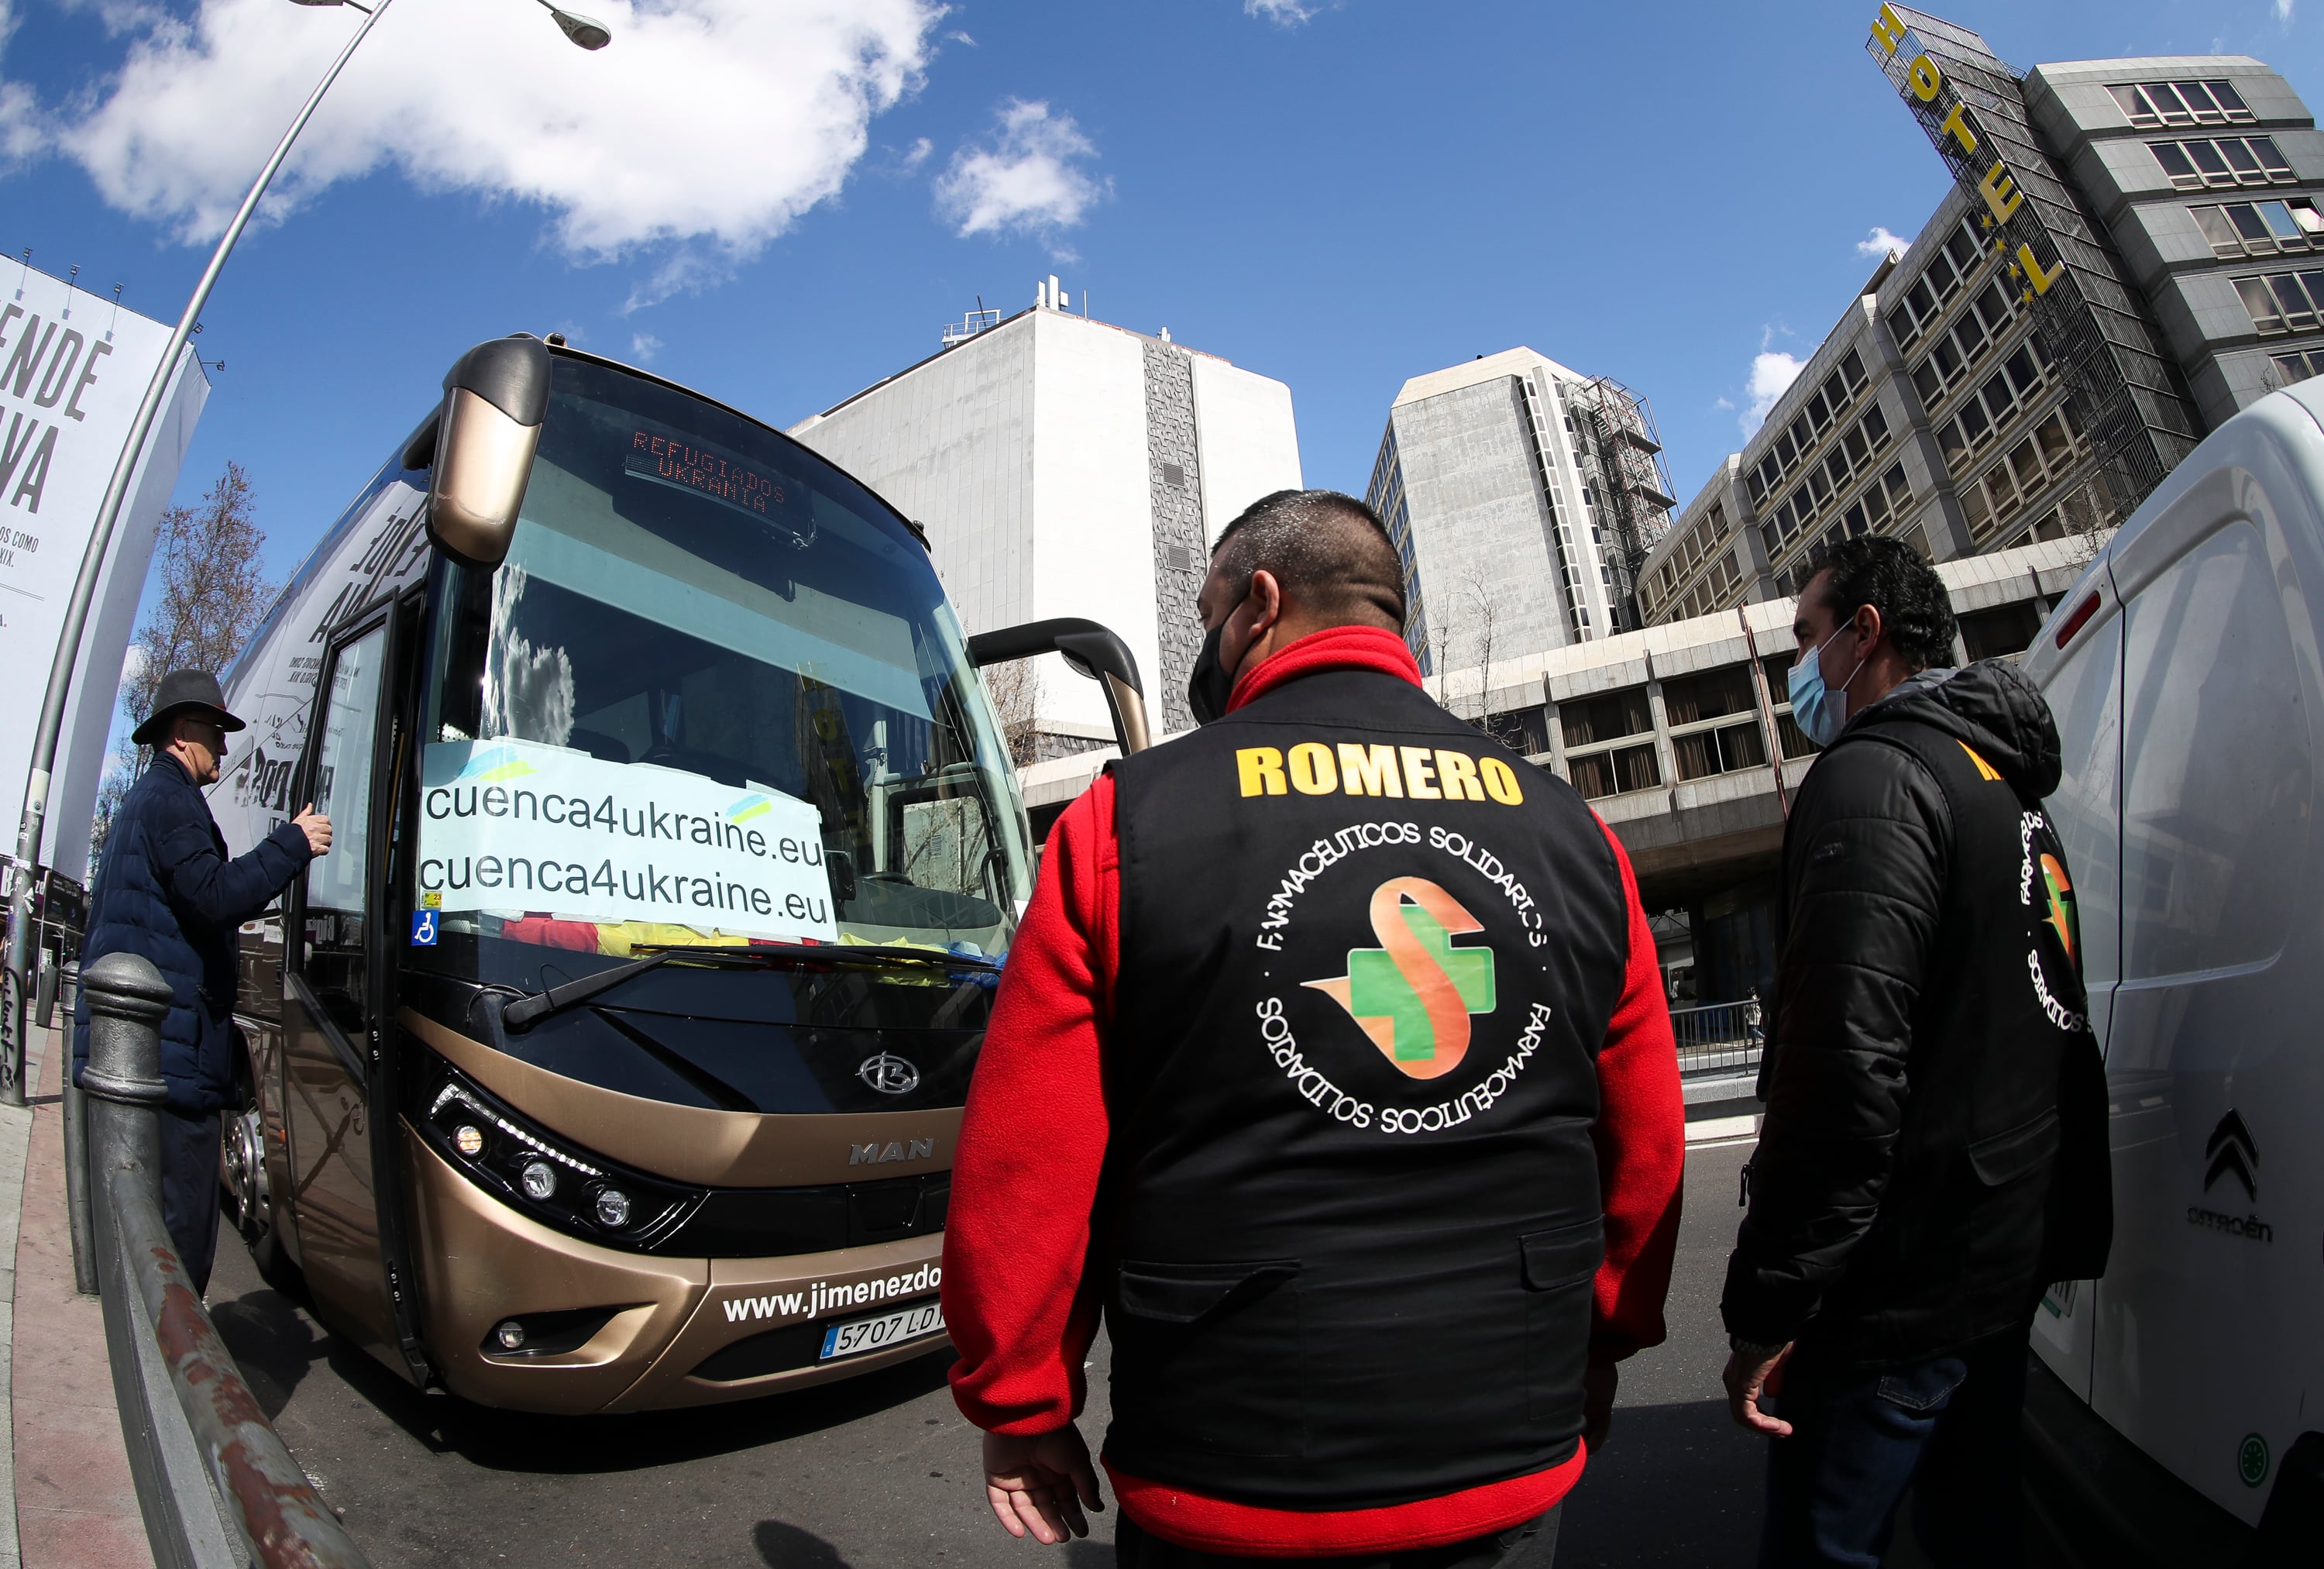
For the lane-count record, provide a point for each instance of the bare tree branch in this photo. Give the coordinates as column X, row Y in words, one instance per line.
column 214, row 595
column 1015, row 688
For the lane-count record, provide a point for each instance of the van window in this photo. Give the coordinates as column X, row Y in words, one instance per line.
column 2217, row 767
column 2086, row 808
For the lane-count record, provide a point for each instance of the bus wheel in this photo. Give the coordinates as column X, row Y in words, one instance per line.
column 242, row 1171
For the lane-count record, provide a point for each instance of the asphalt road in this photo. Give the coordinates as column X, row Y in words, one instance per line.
column 881, row 1471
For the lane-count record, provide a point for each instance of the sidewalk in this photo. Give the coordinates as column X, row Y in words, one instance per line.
column 74, row 1504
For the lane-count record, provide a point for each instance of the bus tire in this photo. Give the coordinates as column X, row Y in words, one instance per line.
column 246, row 1190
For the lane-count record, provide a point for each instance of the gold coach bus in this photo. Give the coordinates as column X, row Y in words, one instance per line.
column 613, row 1057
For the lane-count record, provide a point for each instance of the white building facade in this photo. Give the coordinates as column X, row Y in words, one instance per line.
column 1063, row 467
column 1494, row 493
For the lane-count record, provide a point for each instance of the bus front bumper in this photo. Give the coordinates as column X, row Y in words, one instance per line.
column 679, row 1332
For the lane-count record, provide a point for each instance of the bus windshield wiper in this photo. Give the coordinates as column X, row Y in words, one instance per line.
column 526, row 1012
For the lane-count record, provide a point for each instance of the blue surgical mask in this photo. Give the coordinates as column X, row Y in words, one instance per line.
column 1820, row 711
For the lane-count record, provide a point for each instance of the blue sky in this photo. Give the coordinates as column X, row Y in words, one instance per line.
column 779, row 202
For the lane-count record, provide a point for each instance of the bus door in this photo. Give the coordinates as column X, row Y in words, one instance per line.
column 329, row 1004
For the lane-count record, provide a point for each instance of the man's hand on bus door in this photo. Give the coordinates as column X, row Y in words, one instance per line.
column 1040, row 1483
column 315, row 826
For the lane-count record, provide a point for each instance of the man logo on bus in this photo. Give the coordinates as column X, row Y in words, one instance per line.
column 1413, row 994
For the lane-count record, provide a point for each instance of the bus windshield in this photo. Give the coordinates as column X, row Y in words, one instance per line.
column 715, row 695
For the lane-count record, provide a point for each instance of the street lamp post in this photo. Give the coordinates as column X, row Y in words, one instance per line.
column 14, row 995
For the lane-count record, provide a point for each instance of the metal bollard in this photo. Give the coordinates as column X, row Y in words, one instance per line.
column 76, row 1110
column 195, row 1390
column 127, row 1001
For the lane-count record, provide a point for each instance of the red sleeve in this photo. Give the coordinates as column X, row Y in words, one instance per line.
column 1032, row 1144
column 1641, row 1137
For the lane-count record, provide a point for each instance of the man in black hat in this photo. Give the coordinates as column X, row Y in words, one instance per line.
column 167, row 891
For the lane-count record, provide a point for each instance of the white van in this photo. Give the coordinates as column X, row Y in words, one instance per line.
column 2185, row 1422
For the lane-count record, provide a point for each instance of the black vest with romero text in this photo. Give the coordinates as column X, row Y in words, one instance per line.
column 1351, row 1216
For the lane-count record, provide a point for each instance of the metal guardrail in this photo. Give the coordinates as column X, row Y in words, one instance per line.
column 214, row 1482
column 1719, row 1037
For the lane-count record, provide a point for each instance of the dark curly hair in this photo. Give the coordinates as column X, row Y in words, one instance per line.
column 1897, row 581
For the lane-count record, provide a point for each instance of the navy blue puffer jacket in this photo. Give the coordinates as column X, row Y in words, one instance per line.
column 166, row 889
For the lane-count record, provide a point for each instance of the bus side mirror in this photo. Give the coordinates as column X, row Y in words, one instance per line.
column 1090, row 648
column 486, row 434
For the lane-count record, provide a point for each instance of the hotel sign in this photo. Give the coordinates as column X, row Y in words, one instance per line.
column 1951, row 121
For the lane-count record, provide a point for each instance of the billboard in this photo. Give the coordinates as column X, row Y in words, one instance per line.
column 73, row 366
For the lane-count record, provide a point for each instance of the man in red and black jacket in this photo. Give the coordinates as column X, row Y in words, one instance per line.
column 1332, row 1066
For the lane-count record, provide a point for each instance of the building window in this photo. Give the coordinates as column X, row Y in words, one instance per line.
column 2282, row 301
column 2180, row 104
column 2222, row 161
column 1872, row 513
column 1777, row 667
column 1957, row 353
column 2032, row 467
column 1613, row 773
column 1714, row 722
column 1796, row 513
column 1588, row 720
column 2299, row 366
column 1794, row 441
column 2002, row 632
column 1988, row 409
column 1525, row 731
column 2261, row 228
column 1173, row 474
column 1924, row 299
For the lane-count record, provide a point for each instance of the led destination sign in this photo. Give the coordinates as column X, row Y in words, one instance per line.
column 687, row 466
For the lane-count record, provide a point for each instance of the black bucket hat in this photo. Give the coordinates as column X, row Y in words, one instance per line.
column 181, row 692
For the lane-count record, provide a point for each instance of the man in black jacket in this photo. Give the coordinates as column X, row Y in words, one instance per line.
column 1934, row 1150
column 167, row 891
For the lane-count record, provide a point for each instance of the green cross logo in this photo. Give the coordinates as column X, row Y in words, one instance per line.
column 1413, row 995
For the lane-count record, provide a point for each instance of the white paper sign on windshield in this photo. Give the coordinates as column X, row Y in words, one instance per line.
column 516, row 826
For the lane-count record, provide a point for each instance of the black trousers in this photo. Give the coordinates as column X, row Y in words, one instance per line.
column 190, row 1189
column 1947, row 1428
column 1531, row 1545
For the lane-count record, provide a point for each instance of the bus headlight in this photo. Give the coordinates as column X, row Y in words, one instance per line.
column 543, row 1174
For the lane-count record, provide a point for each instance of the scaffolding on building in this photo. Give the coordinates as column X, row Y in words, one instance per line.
column 2129, row 397
column 1625, row 485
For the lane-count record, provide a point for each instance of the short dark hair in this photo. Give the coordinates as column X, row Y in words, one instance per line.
column 1897, row 581
column 1329, row 551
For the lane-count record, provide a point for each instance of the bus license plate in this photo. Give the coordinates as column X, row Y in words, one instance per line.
column 878, row 1333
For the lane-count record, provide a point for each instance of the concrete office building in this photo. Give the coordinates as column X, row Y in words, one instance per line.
column 1063, row 467
column 1521, row 495
column 2117, row 270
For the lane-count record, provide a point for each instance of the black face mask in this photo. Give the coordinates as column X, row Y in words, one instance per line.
column 1210, row 686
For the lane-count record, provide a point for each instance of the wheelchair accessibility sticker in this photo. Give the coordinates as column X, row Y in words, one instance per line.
column 423, row 928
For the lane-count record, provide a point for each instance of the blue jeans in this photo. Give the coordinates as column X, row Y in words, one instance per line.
column 1945, row 1428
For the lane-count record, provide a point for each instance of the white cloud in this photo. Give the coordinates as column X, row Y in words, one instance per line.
column 1282, row 12
column 959, row 35
column 916, row 154
column 2283, row 12
column 1772, row 371
column 709, row 126
column 1028, row 178
column 644, row 347
column 1880, row 243
column 1722, row 403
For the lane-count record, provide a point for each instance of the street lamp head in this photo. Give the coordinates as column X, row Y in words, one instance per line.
column 580, row 29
